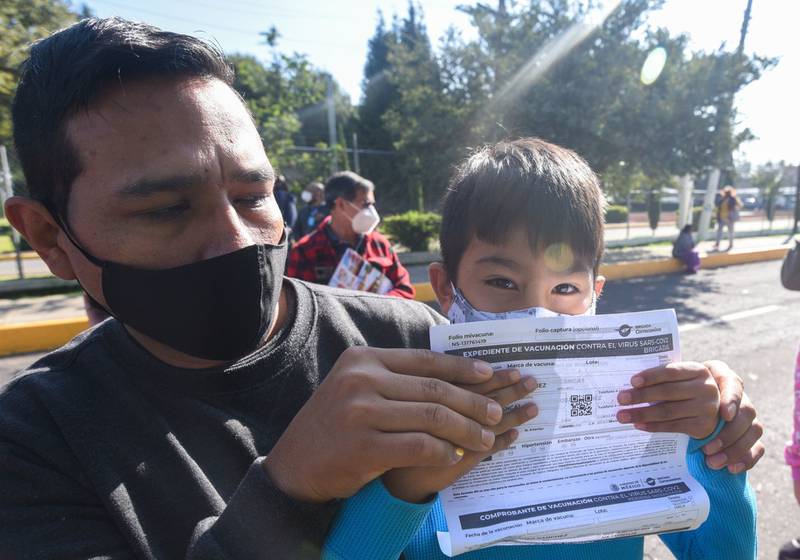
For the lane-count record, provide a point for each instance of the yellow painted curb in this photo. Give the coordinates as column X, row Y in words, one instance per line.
column 39, row 335
column 29, row 255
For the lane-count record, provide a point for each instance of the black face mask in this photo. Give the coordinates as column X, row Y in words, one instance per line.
column 218, row 309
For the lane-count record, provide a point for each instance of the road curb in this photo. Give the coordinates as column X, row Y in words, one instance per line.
column 38, row 336
column 21, row 338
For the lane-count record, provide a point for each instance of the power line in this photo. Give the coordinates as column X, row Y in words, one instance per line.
column 217, row 27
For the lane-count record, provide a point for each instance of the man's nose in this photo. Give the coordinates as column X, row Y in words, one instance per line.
column 225, row 233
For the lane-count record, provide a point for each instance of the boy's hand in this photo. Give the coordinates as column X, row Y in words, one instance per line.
column 417, row 484
column 738, row 446
column 685, row 399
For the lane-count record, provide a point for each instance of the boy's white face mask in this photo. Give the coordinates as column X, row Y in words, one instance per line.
column 461, row 311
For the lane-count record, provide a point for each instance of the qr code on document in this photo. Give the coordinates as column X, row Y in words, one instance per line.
column 580, row 405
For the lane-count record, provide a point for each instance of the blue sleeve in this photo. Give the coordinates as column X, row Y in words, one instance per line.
column 730, row 530
column 374, row 525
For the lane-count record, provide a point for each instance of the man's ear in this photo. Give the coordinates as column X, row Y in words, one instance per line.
column 440, row 282
column 599, row 283
column 40, row 230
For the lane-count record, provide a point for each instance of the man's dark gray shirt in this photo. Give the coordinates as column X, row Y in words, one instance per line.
column 107, row 452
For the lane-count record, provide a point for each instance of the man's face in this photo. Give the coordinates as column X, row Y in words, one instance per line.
column 173, row 172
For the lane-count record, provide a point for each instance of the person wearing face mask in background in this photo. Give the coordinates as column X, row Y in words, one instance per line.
column 314, row 211
column 286, row 201
column 351, row 224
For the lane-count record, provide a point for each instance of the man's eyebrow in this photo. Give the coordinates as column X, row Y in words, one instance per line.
column 147, row 187
column 500, row 261
column 260, row 175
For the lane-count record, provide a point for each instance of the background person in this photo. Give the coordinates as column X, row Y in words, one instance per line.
column 683, row 249
column 286, row 201
column 728, row 206
column 351, row 224
column 312, row 214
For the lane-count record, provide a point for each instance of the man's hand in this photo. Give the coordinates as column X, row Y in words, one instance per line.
column 380, row 409
column 738, row 446
column 417, row 484
column 685, row 396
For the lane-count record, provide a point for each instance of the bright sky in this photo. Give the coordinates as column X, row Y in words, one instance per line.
column 334, row 35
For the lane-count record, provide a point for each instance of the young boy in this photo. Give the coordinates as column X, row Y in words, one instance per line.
column 522, row 235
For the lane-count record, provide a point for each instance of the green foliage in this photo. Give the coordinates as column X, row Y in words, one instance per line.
column 653, row 209
column 616, row 214
column 591, row 99
column 413, row 229
column 21, row 23
column 768, row 180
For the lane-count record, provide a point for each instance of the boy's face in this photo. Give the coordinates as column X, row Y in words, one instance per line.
column 509, row 277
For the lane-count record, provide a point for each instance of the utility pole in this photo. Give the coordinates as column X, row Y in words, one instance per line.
column 356, row 162
column 8, row 191
column 332, row 126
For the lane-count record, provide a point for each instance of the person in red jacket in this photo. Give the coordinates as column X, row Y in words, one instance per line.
column 351, row 224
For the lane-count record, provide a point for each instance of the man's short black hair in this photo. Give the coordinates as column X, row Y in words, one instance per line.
column 549, row 190
column 68, row 70
column 347, row 185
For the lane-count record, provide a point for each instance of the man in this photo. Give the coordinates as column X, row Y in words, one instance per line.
column 351, row 225
column 313, row 212
column 285, row 200
column 223, row 410
column 178, row 428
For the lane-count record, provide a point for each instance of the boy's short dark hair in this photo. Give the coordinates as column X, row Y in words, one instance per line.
column 530, row 183
column 65, row 73
column 347, row 185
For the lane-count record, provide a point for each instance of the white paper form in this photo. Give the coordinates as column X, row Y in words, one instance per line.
column 575, row 473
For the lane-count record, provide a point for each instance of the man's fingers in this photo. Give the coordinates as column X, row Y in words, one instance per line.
column 516, row 417
column 414, row 450
column 731, row 388
column 515, row 392
column 500, row 380
column 428, row 390
column 677, row 371
column 434, row 419
column 424, row 363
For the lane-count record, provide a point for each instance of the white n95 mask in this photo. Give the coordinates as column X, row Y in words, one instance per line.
column 366, row 220
column 461, row 311
column 306, row 196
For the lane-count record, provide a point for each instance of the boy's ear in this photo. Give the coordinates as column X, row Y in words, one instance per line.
column 40, row 230
column 599, row 282
column 440, row 282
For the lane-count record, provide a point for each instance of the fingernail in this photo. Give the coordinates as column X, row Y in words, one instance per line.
column 731, row 410
column 623, row 416
column 531, row 410
column 712, row 447
column 458, row 454
column 624, row 397
column 494, row 412
column 513, row 435
column 530, row 383
column 717, row 461
column 737, row 468
column 482, row 367
column 487, row 438
column 637, row 381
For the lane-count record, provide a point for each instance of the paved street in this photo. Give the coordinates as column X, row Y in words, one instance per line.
column 739, row 314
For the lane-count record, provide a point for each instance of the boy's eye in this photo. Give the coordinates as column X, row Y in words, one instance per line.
column 565, row 289
column 502, row 283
